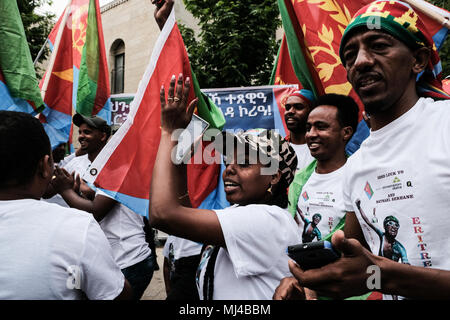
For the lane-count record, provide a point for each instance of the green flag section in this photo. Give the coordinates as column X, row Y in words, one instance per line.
column 206, row 109
column 294, row 37
column 16, row 66
column 93, row 87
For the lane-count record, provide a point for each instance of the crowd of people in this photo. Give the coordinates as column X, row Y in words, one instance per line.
column 385, row 206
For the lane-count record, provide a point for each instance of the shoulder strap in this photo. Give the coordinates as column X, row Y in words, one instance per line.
column 208, row 281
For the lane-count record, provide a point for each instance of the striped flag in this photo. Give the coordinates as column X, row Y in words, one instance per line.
column 19, row 89
column 283, row 73
column 124, row 167
column 93, row 82
column 313, row 30
column 77, row 79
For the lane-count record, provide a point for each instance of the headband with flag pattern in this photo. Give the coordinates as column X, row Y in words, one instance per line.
column 303, row 93
column 402, row 22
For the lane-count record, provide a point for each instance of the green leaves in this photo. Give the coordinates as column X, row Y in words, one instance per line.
column 236, row 45
column 444, row 53
column 37, row 26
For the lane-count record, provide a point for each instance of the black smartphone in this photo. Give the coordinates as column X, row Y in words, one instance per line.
column 312, row 255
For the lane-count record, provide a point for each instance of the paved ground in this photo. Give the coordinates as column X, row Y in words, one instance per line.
column 156, row 289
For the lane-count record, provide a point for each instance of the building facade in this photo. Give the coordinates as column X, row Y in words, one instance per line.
column 130, row 32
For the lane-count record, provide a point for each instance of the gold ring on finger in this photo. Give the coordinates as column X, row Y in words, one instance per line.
column 176, row 99
column 170, row 99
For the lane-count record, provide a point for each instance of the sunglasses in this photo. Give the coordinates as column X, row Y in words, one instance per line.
column 392, row 224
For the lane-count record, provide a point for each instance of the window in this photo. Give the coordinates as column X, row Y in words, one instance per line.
column 117, row 55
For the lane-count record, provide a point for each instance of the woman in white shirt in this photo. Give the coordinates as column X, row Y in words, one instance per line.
column 249, row 239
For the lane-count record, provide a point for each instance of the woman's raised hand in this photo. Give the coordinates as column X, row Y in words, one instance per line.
column 174, row 113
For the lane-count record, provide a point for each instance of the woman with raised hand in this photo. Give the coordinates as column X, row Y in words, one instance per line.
column 246, row 253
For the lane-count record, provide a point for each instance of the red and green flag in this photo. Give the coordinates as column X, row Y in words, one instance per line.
column 77, row 79
column 124, row 167
column 19, row 89
column 313, row 31
column 283, row 73
column 93, row 84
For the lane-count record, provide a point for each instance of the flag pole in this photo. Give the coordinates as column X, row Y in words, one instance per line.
column 443, row 19
column 55, row 50
column 40, row 52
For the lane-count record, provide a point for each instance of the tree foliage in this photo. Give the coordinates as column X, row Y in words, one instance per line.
column 236, row 45
column 37, row 25
column 444, row 52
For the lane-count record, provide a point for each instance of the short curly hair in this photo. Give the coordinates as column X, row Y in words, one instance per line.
column 23, row 142
column 347, row 109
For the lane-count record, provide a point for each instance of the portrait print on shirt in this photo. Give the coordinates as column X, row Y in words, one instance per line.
column 392, row 229
column 320, row 207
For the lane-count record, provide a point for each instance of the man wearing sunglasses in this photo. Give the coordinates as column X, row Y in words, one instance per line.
column 389, row 247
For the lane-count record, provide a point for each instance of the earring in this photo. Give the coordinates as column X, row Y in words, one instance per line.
column 270, row 189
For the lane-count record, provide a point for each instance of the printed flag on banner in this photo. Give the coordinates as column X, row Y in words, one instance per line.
column 313, row 30
column 78, row 79
column 124, row 167
column 19, row 89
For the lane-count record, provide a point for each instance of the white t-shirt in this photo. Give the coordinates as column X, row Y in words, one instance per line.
column 79, row 165
column 322, row 195
column 124, row 230
column 181, row 247
column 304, row 157
column 66, row 160
column 255, row 259
column 401, row 175
column 48, row 252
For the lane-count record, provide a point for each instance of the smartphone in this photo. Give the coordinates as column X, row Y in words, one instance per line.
column 193, row 132
column 312, row 255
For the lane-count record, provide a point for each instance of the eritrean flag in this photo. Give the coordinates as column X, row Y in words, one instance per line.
column 19, row 89
column 313, row 31
column 283, row 73
column 77, row 80
column 124, row 167
column 305, row 196
column 368, row 190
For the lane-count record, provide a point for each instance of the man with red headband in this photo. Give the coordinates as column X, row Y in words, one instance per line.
column 402, row 168
column 298, row 106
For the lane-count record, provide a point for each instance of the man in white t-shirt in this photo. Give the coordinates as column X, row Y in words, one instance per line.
column 400, row 176
column 48, row 252
column 320, row 206
column 94, row 133
column 123, row 228
column 298, row 105
column 331, row 124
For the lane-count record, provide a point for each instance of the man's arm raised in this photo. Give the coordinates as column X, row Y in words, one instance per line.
column 162, row 11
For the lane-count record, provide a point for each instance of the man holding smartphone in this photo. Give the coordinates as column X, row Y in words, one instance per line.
column 402, row 168
column 320, row 207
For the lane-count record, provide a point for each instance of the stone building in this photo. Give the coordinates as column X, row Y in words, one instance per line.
column 130, row 32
